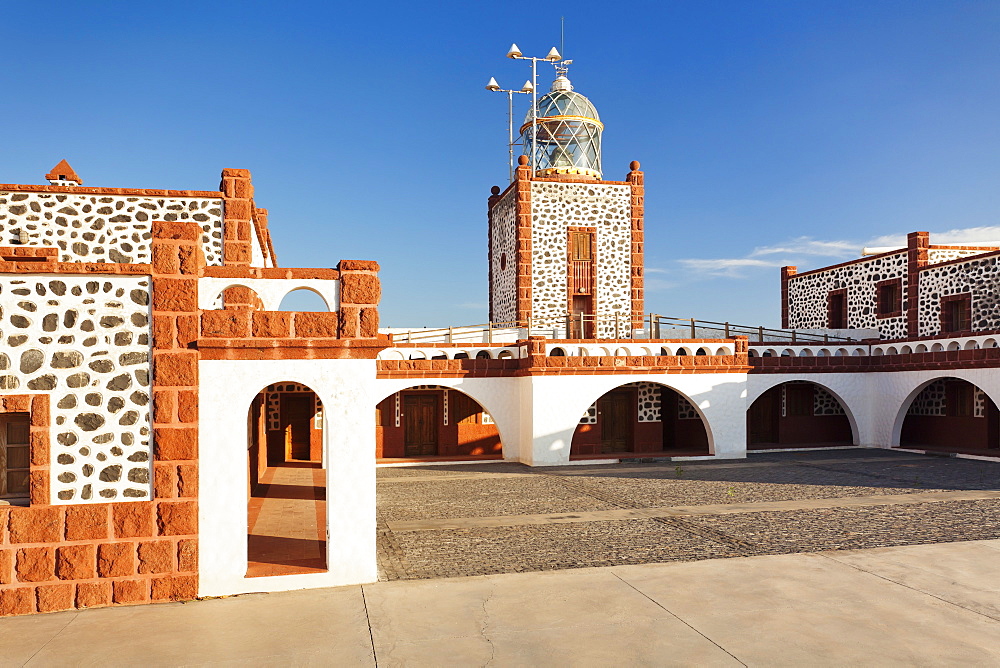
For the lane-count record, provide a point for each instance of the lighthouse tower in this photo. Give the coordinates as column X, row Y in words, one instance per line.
column 566, row 246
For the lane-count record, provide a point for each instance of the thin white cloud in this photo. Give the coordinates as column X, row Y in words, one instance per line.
column 808, row 246
column 729, row 267
column 987, row 235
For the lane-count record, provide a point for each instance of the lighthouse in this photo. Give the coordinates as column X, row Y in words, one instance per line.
column 565, row 245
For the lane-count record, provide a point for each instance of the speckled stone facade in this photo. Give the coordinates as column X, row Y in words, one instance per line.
column 976, row 276
column 557, row 206
column 104, row 228
column 503, row 259
column 807, row 295
column 85, row 341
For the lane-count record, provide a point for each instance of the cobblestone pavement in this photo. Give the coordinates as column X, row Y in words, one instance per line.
column 507, row 493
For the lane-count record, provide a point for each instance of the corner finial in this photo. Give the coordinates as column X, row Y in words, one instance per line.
column 495, row 190
column 522, row 160
column 634, row 165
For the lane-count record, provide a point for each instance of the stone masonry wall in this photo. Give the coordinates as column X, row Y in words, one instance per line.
column 556, row 206
column 807, row 295
column 104, row 228
column 503, row 259
column 59, row 557
column 979, row 277
column 84, row 340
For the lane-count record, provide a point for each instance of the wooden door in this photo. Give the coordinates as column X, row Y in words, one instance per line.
column 420, row 413
column 14, row 459
column 582, row 305
column 297, row 412
column 615, row 411
column 762, row 418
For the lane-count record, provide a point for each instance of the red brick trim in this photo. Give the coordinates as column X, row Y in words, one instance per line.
column 960, row 260
column 949, row 360
column 897, row 307
column 243, row 271
column 36, row 406
column 786, row 274
column 985, row 249
column 82, row 190
column 490, row 203
column 916, row 259
column 522, row 236
column 34, row 266
column 636, row 181
column 289, row 349
column 238, row 213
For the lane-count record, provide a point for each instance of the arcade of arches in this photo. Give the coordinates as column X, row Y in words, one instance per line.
column 797, row 414
column 951, row 414
column 286, row 513
column 431, row 421
column 641, row 417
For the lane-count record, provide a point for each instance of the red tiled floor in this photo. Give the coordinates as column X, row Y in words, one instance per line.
column 287, row 519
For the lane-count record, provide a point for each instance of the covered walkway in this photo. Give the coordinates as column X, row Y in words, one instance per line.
column 287, row 521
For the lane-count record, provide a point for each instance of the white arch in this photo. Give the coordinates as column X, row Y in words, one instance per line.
column 937, row 348
column 701, row 414
column 905, row 350
column 487, row 394
column 904, row 406
column 891, row 350
column 859, row 352
column 921, row 348
column 805, row 352
column 270, row 290
column 726, row 350
column 307, row 288
column 972, row 345
column 767, row 382
column 990, row 343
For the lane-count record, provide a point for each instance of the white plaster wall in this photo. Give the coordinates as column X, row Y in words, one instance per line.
column 270, row 290
column 551, row 407
column 348, row 391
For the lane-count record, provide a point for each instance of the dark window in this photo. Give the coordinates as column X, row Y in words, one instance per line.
column 959, row 399
column 14, row 459
column 557, row 352
column 955, row 314
column 837, row 310
column 888, row 299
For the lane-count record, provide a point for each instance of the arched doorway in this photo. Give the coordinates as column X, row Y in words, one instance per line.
column 641, row 417
column 797, row 414
column 952, row 415
column 286, row 512
column 434, row 422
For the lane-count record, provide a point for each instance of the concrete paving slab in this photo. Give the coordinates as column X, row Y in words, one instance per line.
column 900, row 631
column 256, row 629
column 751, row 583
column 968, row 577
column 22, row 637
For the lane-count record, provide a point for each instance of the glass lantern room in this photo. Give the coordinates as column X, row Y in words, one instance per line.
column 568, row 139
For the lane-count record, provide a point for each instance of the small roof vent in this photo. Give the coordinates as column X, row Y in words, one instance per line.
column 64, row 175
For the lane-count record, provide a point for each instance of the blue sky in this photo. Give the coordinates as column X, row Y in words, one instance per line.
column 770, row 132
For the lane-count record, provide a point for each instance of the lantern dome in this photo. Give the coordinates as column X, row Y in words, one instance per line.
column 568, row 132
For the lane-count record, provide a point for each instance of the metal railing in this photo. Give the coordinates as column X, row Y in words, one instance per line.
column 616, row 326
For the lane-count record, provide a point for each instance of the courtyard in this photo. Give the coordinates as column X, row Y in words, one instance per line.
column 492, row 518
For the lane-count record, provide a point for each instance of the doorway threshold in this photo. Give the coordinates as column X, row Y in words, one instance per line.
column 388, row 462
